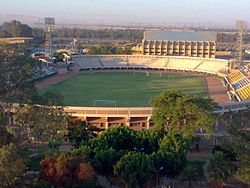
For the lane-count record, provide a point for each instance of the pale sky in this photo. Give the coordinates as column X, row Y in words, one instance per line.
column 145, row 11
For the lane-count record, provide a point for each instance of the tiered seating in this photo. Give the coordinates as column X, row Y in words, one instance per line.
column 212, row 66
column 48, row 71
column 184, row 64
column 235, row 76
column 241, row 83
column 152, row 62
column 45, row 72
column 141, row 62
column 88, row 62
column 244, row 93
column 159, row 63
column 113, row 61
column 237, row 80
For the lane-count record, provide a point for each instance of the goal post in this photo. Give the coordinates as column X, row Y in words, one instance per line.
column 105, row 103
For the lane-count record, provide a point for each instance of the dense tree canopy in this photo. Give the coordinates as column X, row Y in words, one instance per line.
column 15, row 29
column 42, row 123
column 12, row 165
column 134, row 169
column 171, row 155
column 108, row 49
column 39, row 37
column 162, row 149
column 190, row 174
column 105, row 150
column 239, row 129
column 17, row 73
column 148, row 141
column 66, row 171
column 231, row 37
column 122, row 34
column 219, row 169
column 6, row 136
column 182, row 113
column 80, row 131
column 16, row 85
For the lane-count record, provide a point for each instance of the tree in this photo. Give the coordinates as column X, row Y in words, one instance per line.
column 164, row 149
column 120, row 34
column 84, row 172
column 6, row 136
column 66, row 171
column 244, row 171
column 174, row 143
column 101, row 156
column 55, row 144
column 12, row 165
column 219, row 169
column 239, row 130
column 134, row 169
column 39, row 36
column 41, row 123
column 80, row 131
column 189, row 174
column 16, row 29
column 105, row 150
column 183, row 114
column 148, row 140
column 5, row 114
column 171, row 155
column 17, row 73
column 117, row 138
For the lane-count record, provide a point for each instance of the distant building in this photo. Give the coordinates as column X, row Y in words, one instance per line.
column 194, row 44
column 15, row 40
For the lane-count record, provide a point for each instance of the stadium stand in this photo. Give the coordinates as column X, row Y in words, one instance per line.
column 244, row 93
column 212, row 67
column 88, row 62
column 203, row 65
column 159, row 63
column 44, row 72
column 113, row 61
column 235, row 76
column 183, row 64
column 239, row 85
column 47, row 72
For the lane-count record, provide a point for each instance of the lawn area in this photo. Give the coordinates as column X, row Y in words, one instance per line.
column 127, row 89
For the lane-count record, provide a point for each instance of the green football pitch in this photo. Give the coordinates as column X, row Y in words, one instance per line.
column 126, row 89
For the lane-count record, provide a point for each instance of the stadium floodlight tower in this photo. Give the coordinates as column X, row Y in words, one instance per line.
column 241, row 27
column 49, row 24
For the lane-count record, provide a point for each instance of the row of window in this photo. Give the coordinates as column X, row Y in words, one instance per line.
column 136, row 124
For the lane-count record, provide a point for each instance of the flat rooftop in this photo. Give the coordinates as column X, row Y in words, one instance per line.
column 180, row 36
column 15, row 40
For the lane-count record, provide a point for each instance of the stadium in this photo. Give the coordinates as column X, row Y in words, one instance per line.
column 230, row 89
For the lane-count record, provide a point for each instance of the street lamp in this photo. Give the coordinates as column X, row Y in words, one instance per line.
column 157, row 175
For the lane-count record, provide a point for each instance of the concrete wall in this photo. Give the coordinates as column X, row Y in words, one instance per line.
column 140, row 118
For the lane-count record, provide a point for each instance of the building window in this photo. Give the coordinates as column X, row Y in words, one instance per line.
column 143, row 125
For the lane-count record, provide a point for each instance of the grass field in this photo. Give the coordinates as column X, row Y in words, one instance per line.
column 127, row 89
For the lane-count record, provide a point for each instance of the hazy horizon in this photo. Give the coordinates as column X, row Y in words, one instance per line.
column 224, row 12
